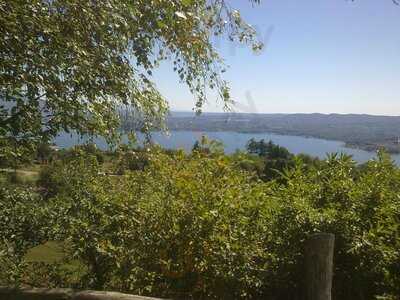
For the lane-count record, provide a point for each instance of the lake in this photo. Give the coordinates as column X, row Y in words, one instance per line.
column 234, row 140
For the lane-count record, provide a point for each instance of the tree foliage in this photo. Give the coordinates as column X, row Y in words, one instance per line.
column 277, row 159
column 74, row 65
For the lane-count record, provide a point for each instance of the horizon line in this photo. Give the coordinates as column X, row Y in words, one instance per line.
column 284, row 113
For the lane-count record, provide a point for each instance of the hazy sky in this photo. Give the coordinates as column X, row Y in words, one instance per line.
column 330, row 56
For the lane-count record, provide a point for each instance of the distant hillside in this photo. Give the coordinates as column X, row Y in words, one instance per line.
column 362, row 131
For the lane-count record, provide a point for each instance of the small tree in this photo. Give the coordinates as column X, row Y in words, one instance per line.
column 76, row 65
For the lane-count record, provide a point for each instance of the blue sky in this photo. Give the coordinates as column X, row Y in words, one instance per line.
column 330, row 56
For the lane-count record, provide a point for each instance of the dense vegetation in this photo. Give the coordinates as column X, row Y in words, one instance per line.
column 149, row 221
column 202, row 225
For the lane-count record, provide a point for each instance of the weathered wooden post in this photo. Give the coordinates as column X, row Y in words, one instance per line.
column 319, row 266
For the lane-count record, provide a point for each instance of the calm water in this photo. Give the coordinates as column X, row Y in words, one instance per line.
column 233, row 141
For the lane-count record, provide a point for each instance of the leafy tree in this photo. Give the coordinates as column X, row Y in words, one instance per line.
column 44, row 152
column 267, row 149
column 276, row 158
column 208, row 146
column 74, row 65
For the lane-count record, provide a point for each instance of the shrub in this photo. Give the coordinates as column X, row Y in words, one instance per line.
column 199, row 227
column 363, row 212
column 169, row 230
column 22, row 218
column 62, row 176
column 132, row 160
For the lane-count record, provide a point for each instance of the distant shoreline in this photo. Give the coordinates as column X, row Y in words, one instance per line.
column 349, row 145
column 368, row 147
column 364, row 132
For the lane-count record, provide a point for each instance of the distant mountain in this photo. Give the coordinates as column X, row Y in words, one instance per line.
column 367, row 132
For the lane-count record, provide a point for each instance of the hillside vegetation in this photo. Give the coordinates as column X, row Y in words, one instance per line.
column 203, row 225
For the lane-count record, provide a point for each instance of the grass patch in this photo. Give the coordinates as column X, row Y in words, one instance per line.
column 20, row 177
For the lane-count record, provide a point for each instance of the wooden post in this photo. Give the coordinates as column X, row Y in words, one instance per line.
column 319, row 266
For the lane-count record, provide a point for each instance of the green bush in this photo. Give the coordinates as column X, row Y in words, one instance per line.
column 201, row 227
column 168, row 230
column 87, row 149
column 44, row 152
column 132, row 160
column 61, row 176
column 362, row 212
column 22, row 218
